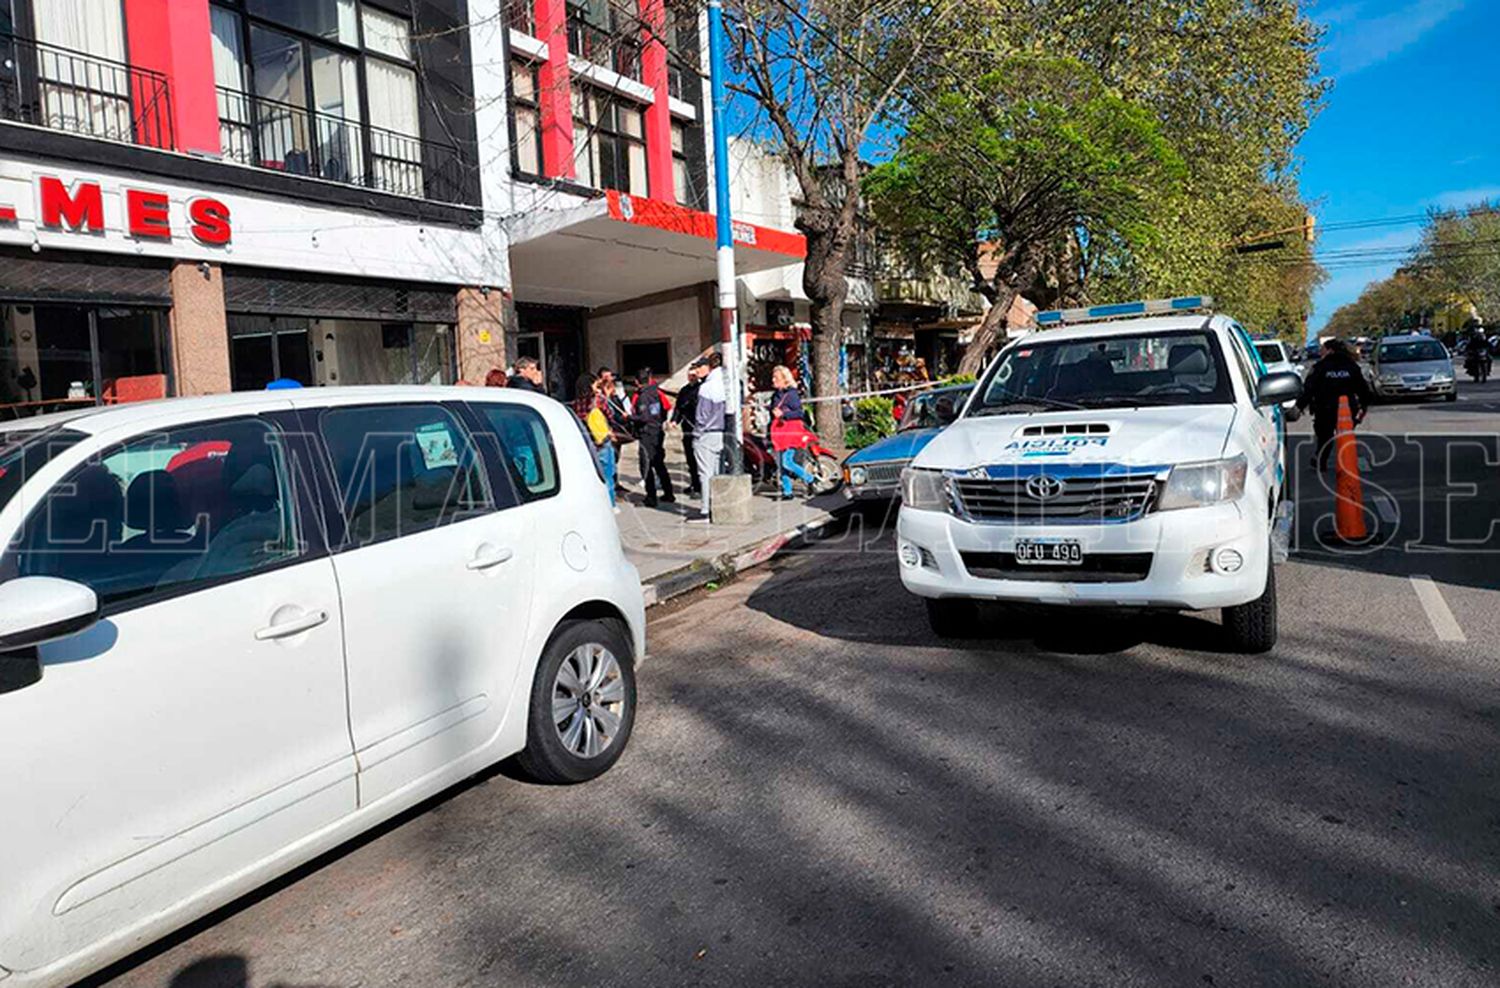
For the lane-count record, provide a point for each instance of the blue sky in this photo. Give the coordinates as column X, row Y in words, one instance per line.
column 1413, row 121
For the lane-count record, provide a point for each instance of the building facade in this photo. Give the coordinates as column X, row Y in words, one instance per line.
column 205, row 195
column 608, row 210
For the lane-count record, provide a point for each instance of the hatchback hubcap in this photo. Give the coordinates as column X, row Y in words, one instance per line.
column 588, row 700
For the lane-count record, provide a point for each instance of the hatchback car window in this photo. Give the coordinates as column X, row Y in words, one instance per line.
column 184, row 506
column 527, row 443
column 402, row 469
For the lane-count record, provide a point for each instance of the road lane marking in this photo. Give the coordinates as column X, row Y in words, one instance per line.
column 1444, row 624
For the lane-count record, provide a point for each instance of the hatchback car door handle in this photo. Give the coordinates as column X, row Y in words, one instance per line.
column 296, row 626
column 487, row 557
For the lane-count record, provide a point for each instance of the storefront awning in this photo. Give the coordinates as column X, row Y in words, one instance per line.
column 622, row 247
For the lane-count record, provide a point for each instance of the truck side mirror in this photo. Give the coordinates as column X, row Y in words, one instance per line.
column 1274, row 389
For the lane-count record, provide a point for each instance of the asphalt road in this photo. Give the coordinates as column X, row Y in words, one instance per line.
column 820, row 792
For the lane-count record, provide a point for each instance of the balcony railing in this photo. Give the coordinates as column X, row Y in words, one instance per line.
column 286, row 138
column 72, row 91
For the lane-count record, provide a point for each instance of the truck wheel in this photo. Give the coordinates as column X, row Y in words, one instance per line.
column 952, row 617
column 1252, row 627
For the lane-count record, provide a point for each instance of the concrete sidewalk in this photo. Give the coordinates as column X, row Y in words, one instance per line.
column 675, row 557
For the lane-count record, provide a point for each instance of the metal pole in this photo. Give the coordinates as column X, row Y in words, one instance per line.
column 728, row 298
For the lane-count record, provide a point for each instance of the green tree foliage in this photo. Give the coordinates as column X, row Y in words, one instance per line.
column 874, row 419
column 1230, row 86
column 1456, row 262
column 1460, row 255
column 1026, row 157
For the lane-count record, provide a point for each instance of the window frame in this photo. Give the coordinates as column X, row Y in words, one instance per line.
column 534, row 104
column 498, row 460
column 306, row 514
column 609, row 104
column 333, row 511
column 361, row 54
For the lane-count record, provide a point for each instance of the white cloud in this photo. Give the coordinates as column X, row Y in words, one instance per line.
column 1357, row 43
column 1459, row 198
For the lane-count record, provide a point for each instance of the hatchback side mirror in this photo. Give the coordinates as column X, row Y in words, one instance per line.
column 1274, row 389
column 35, row 610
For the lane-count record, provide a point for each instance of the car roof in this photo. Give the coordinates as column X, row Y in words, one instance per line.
column 1407, row 338
column 104, row 418
column 1125, row 327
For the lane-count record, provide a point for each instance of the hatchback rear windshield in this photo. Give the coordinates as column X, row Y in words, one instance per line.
column 1270, row 352
column 1406, row 353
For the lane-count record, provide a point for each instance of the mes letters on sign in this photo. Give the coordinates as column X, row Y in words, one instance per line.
column 147, row 213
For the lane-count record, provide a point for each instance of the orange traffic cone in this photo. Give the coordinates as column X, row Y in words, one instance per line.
column 1349, row 499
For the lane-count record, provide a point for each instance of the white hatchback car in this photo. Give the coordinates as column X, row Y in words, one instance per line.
column 236, row 631
column 1133, row 463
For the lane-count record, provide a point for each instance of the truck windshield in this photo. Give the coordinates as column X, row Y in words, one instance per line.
column 1408, row 353
column 24, row 452
column 1166, row 368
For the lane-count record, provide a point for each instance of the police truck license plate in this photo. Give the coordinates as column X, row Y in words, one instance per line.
column 1033, row 552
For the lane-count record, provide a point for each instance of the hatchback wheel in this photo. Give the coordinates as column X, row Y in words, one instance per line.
column 582, row 704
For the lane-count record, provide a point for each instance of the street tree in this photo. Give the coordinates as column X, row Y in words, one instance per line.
column 1460, row 253
column 829, row 78
column 1036, row 159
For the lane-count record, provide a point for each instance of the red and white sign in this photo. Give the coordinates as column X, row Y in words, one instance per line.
column 148, row 213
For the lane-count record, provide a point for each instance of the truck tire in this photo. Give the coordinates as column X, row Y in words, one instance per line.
column 1252, row 628
column 952, row 617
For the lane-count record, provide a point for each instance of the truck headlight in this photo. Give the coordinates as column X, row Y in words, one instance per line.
column 924, row 490
column 1193, row 485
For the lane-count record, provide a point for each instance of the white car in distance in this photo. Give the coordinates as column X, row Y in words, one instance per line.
column 236, row 631
column 1277, row 357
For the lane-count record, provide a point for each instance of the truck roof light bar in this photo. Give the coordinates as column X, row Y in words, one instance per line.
column 1126, row 310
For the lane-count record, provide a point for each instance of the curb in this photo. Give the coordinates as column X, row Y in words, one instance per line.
column 701, row 572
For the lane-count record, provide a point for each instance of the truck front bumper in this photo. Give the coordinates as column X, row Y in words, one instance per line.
column 1162, row 560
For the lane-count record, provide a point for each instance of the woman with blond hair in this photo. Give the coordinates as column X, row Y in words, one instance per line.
column 788, row 430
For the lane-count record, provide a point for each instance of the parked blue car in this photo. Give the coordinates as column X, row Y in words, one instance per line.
column 875, row 471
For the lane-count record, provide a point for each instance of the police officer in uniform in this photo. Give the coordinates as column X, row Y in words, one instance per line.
column 1336, row 375
column 649, row 417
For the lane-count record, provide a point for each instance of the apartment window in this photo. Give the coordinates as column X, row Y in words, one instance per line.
column 682, row 50
column 681, row 182
column 609, row 139
column 296, row 79
column 521, row 15
column 526, row 119
column 605, row 34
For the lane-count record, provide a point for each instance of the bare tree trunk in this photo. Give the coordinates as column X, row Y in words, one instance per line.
column 827, row 338
column 988, row 334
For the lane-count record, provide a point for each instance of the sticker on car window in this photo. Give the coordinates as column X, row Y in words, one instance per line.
column 437, row 446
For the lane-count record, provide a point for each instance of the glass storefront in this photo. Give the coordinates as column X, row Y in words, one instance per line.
column 333, row 352
column 59, row 356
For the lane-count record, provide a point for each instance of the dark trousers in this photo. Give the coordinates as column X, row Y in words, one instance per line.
column 1324, row 427
column 694, row 481
column 654, row 464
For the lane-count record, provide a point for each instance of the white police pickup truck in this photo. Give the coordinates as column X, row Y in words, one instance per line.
column 1132, row 456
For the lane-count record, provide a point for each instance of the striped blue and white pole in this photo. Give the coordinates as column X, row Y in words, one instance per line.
column 718, row 67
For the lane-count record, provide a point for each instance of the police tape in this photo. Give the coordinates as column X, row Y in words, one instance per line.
column 922, row 386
